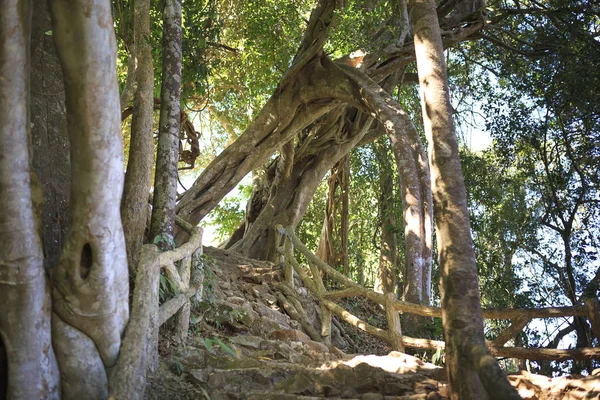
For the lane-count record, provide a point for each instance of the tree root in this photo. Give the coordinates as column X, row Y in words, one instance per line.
column 295, row 310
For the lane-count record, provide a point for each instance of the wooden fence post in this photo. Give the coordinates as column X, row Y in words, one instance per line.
column 182, row 317
column 393, row 320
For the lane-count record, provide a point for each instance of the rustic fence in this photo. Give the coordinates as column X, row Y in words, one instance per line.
column 139, row 351
column 311, row 277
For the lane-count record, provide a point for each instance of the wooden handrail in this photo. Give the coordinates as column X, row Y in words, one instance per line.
column 520, row 317
column 419, row 309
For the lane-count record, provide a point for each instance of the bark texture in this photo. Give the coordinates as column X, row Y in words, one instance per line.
column 468, row 362
column 24, row 292
column 138, row 178
column 165, row 181
column 90, row 283
column 139, row 350
column 311, row 163
column 49, row 136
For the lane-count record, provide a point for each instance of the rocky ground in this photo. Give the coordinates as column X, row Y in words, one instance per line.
column 243, row 345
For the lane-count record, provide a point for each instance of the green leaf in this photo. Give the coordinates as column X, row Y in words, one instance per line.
column 225, row 347
column 208, row 343
column 48, row 33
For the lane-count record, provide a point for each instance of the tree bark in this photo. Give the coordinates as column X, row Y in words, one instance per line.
column 24, row 291
column 468, row 362
column 90, row 283
column 138, row 178
column 49, row 136
column 295, row 194
column 165, row 181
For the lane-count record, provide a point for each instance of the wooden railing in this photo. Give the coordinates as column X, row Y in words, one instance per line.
column 139, row 351
column 178, row 265
column 311, row 277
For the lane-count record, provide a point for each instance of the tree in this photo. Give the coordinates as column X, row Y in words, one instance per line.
column 388, row 268
column 89, row 284
column 165, row 182
column 547, row 140
column 472, row 372
column 138, row 178
column 25, row 318
column 49, row 136
column 330, row 236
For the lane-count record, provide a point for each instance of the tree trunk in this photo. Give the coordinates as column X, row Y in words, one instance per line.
column 308, row 90
column 90, row 283
column 24, row 292
column 336, row 256
column 293, row 196
column 387, row 271
column 138, row 178
column 345, row 213
column 49, row 136
column 468, row 362
column 165, row 181
column 290, row 109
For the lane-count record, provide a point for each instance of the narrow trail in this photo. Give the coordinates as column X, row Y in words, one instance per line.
column 244, row 346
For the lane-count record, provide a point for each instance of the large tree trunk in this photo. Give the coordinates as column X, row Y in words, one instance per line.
column 292, row 197
column 468, row 362
column 90, row 282
column 165, row 181
column 49, row 137
column 24, row 292
column 291, row 108
column 138, row 178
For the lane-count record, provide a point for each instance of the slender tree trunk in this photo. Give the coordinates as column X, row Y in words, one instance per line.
column 336, row 206
column 138, row 178
column 326, row 248
column 49, row 136
column 345, row 212
column 165, row 181
column 24, row 291
column 90, row 283
column 468, row 362
column 387, row 271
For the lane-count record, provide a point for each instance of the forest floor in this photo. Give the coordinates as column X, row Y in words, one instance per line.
column 243, row 345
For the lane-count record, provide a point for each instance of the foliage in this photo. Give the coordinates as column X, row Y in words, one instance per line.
column 215, row 343
column 229, row 214
column 166, row 288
